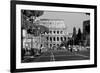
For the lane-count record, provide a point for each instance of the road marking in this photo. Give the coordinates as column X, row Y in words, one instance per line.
column 56, row 56
column 52, row 57
column 82, row 55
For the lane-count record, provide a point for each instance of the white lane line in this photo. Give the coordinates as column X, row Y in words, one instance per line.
column 82, row 55
column 52, row 57
column 57, row 56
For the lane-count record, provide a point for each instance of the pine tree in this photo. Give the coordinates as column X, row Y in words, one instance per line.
column 79, row 36
column 74, row 32
column 74, row 36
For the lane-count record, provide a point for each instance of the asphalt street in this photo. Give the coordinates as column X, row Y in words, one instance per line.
column 60, row 55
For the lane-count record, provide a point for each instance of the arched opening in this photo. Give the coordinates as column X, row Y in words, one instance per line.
column 57, row 38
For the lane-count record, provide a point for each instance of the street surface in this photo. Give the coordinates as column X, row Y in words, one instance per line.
column 59, row 55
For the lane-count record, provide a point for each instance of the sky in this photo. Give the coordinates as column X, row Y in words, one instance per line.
column 71, row 19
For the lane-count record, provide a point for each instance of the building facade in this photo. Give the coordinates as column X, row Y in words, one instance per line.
column 57, row 32
column 30, row 41
column 86, row 32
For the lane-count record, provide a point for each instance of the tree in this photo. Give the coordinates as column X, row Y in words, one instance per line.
column 33, row 27
column 87, row 14
column 79, row 36
column 32, row 14
column 74, row 32
column 74, row 36
column 39, row 29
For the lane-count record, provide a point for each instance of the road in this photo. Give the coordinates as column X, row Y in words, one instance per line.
column 59, row 55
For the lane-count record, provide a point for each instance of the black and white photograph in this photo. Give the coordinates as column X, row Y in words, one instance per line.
column 52, row 36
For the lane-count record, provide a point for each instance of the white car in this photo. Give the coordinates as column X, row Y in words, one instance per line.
column 75, row 49
column 63, row 48
column 43, row 49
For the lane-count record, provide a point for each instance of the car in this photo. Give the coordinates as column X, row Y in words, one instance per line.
column 43, row 49
column 88, row 47
column 75, row 49
column 69, row 47
column 63, row 47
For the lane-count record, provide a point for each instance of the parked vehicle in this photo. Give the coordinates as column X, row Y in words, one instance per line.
column 43, row 49
column 88, row 47
column 75, row 49
column 63, row 47
column 69, row 48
